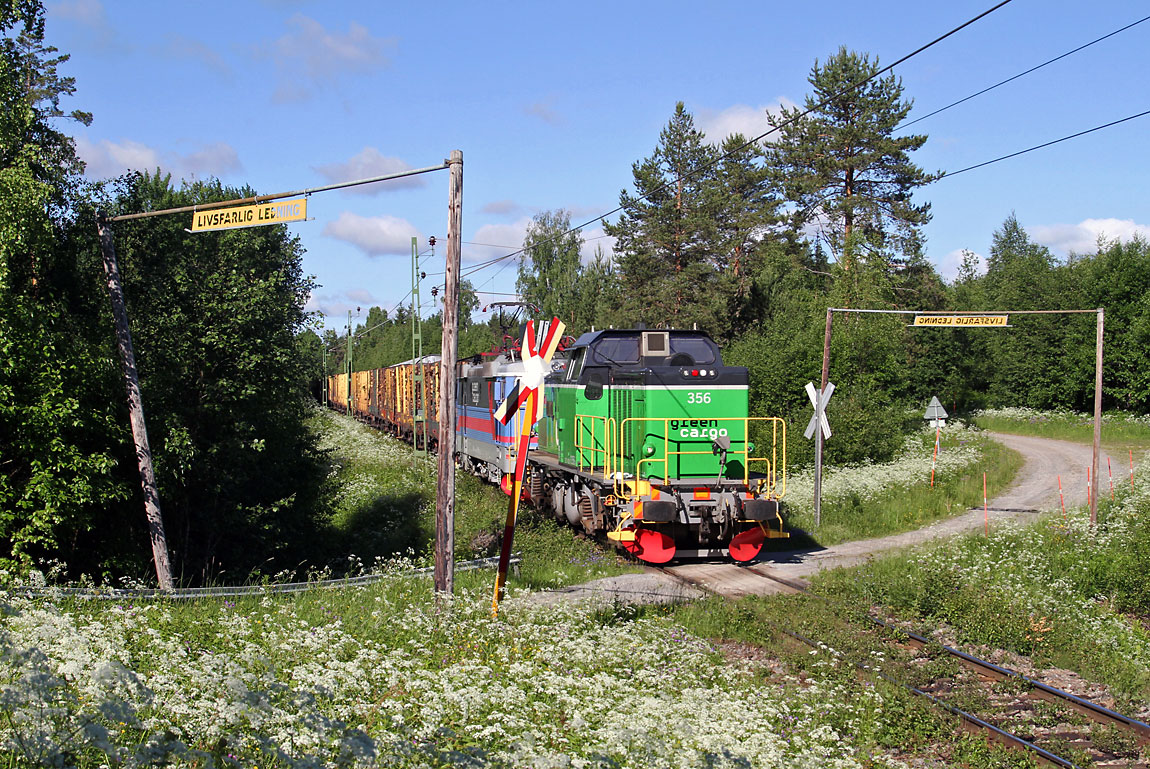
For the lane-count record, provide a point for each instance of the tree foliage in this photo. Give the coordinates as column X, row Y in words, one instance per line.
column 843, row 170
column 214, row 321
column 689, row 237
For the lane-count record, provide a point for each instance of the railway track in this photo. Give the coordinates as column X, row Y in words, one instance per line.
column 1055, row 727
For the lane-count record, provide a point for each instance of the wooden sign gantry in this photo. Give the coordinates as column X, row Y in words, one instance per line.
column 988, row 319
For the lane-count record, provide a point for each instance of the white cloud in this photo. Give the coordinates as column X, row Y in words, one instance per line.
column 502, row 239
column 98, row 33
column 368, row 163
column 374, row 235
column 544, row 112
column 310, row 57
column 502, row 208
column 497, row 240
column 594, row 239
column 214, row 159
column 949, row 264
column 361, row 296
column 178, row 46
column 738, row 118
column 1082, row 238
column 106, row 158
column 336, row 306
column 87, row 12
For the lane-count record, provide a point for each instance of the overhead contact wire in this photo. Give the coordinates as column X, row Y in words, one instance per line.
column 794, row 118
column 1022, row 74
column 1045, row 144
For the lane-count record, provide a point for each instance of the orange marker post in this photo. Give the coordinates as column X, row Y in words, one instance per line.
column 1061, row 498
column 985, row 509
column 1110, row 473
column 934, row 461
column 1088, row 485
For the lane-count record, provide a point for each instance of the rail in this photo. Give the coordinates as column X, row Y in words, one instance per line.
column 970, row 720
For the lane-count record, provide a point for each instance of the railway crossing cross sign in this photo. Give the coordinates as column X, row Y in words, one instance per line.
column 819, row 401
column 536, row 354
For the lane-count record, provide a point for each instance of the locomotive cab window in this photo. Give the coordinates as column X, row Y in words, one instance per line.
column 616, row 350
column 655, row 344
column 701, row 349
column 575, row 367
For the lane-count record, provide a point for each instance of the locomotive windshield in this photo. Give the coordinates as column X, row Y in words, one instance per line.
column 617, row 349
column 701, row 349
column 623, row 348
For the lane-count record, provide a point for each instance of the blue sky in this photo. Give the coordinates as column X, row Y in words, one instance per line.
column 551, row 104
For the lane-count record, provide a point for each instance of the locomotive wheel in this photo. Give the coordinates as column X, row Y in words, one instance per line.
column 536, row 485
column 591, row 518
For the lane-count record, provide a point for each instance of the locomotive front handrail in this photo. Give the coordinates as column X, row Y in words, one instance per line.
column 594, row 448
column 774, row 481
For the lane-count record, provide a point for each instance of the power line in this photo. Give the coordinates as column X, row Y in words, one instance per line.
column 1021, row 74
column 794, row 118
column 1045, row 144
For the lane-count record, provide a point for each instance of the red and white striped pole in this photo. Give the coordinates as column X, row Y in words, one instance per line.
column 1131, row 469
column 985, row 509
column 933, row 462
column 1061, row 498
column 1088, row 485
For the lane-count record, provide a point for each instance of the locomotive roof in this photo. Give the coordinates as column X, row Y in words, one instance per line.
column 591, row 336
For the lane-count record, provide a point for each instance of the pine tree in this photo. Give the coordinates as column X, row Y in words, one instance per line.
column 843, row 169
column 665, row 237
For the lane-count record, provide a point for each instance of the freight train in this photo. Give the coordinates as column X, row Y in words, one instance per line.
column 645, row 438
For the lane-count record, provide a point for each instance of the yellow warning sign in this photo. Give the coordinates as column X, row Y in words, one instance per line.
column 963, row 321
column 250, row 216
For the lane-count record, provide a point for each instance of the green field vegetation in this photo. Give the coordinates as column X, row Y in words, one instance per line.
column 1119, row 429
column 1062, row 592
column 876, row 500
column 766, row 626
column 386, row 506
column 383, row 675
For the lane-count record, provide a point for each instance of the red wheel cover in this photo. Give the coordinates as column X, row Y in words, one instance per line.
column 746, row 545
column 651, row 546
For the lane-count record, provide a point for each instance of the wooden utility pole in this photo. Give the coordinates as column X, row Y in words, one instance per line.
column 1097, row 416
column 445, row 494
column 135, row 406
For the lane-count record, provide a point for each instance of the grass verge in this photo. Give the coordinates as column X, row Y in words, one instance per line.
column 878, row 500
column 1119, row 429
column 907, row 728
column 1064, row 593
column 383, row 675
column 386, row 506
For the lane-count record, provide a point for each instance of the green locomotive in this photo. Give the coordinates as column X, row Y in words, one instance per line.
column 646, row 437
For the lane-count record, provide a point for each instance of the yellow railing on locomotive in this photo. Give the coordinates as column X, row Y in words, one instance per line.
column 773, row 482
column 585, row 429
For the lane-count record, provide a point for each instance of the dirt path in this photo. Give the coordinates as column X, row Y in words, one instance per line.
column 1035, row 490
